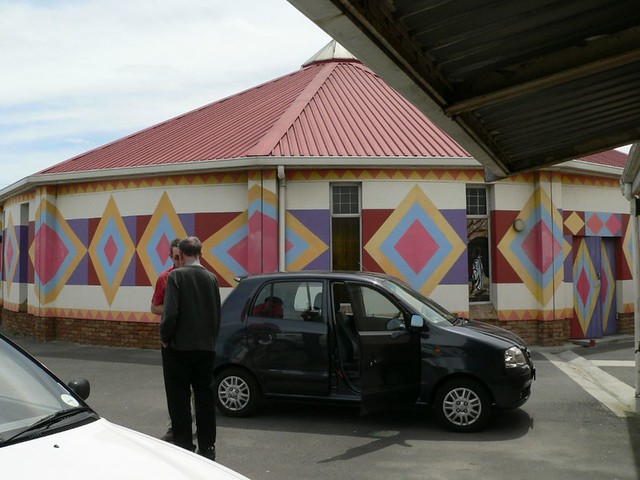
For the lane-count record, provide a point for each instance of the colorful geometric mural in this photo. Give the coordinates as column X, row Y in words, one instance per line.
column 416, row 243
column 628, row 253
column 608, row 288
column 599, row 224
column 1, row 259
column 586, row 286
column 153, row 248
column 263, row 230
column 302, row 245
column 111, row 250
column 11, row 253
column 537, row 252
column 227, row 250
column 593, row 224
column 574, row 223
column 55, row 252
column 399, row 174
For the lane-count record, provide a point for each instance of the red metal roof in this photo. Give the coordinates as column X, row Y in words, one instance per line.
column 334, row 108
column 610, row 158
column 329, row 108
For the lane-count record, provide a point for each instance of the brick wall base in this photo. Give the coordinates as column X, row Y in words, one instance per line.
column 534, row 332
column 625, row 323
column 147, row 335
column 93, row 332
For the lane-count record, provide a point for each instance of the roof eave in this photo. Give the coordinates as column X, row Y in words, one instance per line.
column 580, row 166
column 36, row 180
column 29, row 183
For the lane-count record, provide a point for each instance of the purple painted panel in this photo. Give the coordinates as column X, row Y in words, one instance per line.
column 568, row 261
column 458, row 274
column 22, row 272
column 129, row 278
column 317, row 222
column 80, row 275
column 188, row 221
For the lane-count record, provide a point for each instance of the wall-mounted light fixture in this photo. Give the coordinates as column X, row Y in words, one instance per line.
column 518, row 224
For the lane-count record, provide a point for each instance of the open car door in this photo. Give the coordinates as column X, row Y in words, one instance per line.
column 390, row 351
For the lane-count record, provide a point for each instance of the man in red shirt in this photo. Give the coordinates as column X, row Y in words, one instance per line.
column 157, row 303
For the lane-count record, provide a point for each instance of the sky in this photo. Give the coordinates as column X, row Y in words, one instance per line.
column 77, row 74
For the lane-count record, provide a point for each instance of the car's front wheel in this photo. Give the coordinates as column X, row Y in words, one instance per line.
column 237, row 392
column 463, row 405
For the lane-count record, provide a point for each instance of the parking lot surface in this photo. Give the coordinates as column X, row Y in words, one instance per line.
column 579, row 423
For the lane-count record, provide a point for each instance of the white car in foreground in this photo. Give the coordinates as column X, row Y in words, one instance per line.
column 48, row 431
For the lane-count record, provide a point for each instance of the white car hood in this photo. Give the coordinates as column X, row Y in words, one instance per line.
column 103, row 450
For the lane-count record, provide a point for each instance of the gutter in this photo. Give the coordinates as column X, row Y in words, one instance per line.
column 282, row 227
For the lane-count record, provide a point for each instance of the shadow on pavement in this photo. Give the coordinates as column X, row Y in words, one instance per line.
column 390, row 426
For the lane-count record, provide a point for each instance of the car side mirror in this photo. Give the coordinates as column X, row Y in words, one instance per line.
column 80, row 387
column 417, row 321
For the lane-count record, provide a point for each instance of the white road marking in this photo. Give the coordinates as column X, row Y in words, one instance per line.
column 617, row 396
column 614, row 363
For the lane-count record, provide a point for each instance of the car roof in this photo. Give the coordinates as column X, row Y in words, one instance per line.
column 320, row 274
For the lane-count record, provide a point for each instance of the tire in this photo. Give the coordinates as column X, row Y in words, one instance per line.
column 463, row 405
column 237, row 393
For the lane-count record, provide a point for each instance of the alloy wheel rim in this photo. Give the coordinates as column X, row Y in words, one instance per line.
column 234, row 393
column 462, row 407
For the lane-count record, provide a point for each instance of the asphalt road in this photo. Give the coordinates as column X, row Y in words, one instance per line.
column 580, row 423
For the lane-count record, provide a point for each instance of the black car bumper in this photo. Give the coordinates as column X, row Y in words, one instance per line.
column 513, row 390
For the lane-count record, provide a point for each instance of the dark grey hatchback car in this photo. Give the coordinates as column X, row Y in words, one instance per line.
column 363, row 337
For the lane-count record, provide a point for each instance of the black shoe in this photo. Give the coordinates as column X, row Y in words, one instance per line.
column 209, row 453
column 168, row 437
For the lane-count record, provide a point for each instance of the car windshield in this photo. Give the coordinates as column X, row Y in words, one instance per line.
column 430, row 310
column 27, row 392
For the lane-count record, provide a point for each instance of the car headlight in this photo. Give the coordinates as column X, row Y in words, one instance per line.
column 514, row 358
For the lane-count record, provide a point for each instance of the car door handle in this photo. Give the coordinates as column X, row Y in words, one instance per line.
column 398, row 333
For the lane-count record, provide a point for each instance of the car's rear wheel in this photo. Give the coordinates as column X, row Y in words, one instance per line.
column 463, row 405
column 237, row 392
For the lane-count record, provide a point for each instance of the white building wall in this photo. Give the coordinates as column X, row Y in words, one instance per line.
column 583, row 198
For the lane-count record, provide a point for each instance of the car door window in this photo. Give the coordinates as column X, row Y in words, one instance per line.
column 295, row 301
column 380, row 312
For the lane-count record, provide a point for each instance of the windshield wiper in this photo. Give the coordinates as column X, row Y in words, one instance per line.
column 46, row 422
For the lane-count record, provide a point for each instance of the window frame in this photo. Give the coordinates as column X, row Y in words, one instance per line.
column 354, row 215
column 486, row 216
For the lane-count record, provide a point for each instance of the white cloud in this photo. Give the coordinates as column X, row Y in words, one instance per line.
column 81, row 73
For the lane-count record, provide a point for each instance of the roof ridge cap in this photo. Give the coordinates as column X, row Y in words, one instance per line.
column 279, row 128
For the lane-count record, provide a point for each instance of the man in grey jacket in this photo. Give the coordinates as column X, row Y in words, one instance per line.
column 188, row 330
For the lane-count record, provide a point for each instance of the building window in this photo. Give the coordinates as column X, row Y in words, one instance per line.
column 345, row 227
column 478, row 244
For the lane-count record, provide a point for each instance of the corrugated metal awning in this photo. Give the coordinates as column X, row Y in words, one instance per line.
column 519, row 84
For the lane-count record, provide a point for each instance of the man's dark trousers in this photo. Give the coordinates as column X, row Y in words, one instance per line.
column 182, row 371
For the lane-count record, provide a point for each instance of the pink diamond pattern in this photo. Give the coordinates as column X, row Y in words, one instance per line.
column 239, row 251
column 162, row 247
column 417, row 258
column 111, row 250
column 539, row 259
column 583, row 286
column 595, row 224
column 288, row 245
column 10, row 252
column 613, row 224
column 56, row 251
